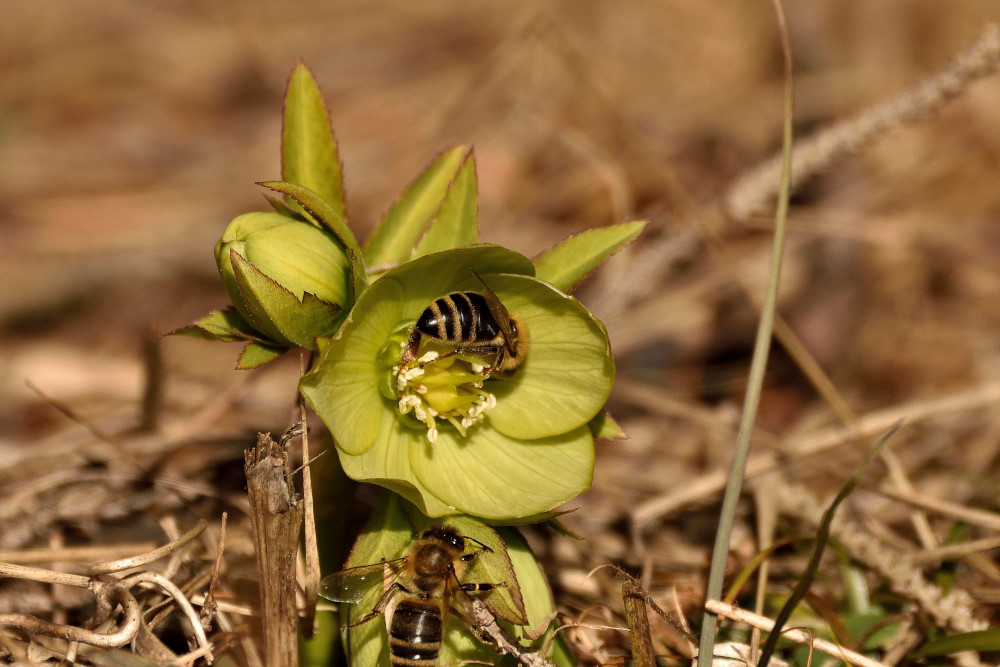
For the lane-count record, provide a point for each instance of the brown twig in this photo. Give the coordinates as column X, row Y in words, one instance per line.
column 108, row 597
column 276, row 515
column 488, row 630
column 155, row 579
column 120, row 564
column 799, row 636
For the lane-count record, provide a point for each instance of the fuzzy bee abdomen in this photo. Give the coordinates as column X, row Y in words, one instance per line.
column 415, row 634
column 460, row 317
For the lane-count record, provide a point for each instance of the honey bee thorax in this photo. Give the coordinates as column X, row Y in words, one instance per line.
column 432, row 564
column 460, row 317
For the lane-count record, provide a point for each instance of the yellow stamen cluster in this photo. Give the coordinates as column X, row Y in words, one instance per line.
column 449, row 389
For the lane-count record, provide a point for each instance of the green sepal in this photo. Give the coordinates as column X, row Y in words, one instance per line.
column 538, row 600
column 309, row 155
column 324, row 214
column 225, row 325
column 567, row 263
column 256, row 355
column 455, row 224
column 604, row 426
column 278, row 313
column 394, row 238
column 388, row 535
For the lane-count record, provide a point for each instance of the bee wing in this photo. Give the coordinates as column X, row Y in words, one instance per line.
column 354, row 583
column 497, row 309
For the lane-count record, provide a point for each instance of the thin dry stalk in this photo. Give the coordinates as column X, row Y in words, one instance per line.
column 155, row 579
column 108, row 597
column 147, row 558
column 74, row 553
column 971, row 515
column 954, row 610
column 487, row 629
column 815, row 155
column 798, row 636
column 868, row 425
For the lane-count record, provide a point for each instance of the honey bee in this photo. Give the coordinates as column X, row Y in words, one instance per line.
column 473, row 324
column 425, row 587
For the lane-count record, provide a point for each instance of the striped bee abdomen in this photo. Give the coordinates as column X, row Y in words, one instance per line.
column 415, row 634
column 460, row 317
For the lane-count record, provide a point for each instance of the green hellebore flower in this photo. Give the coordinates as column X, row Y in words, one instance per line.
column 289, row 278
column 448, row 438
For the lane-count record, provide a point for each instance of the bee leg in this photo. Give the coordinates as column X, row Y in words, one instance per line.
column 481, row 587
column 478, row 552
column 410, row 351
column 379, row 606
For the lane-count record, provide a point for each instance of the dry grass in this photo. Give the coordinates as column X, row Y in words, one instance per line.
column 129, row 137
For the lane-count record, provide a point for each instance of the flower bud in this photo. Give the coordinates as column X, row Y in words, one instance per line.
column 290, row 279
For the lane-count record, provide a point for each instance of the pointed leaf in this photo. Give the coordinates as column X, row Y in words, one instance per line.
column 323, row 213
column 256, row 355
column 604, row 426
column 566, row 264
column 455, row 224
column 308, row 147
column 393, row 240
column 225, row 325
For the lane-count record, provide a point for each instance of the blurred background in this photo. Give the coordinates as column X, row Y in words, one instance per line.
column 130, row 136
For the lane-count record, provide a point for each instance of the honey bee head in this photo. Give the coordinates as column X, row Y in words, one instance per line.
column 435, row 554
column 515, row 348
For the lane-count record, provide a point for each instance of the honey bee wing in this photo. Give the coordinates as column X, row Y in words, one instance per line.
column 499, row 311
column 353, row 583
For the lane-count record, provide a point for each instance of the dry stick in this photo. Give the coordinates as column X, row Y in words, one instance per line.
column 311, row 546
column 972, row 515
column 144, row 559
column 487, row 629
column 799, row 636
column 276, row 516
column 953, row 611
column 73, row 554
column 153, row 578
column 955, row 550
column 109, row 595
column 870, row 424
column 817, row 153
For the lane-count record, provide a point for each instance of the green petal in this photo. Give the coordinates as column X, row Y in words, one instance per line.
column 493, row 476
column 385, row 463
column 343, row 385
column 455, row 224
column 393, row 240
column 431, row 276
column 568, row 372
column 567, row 263
column 308, row 148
